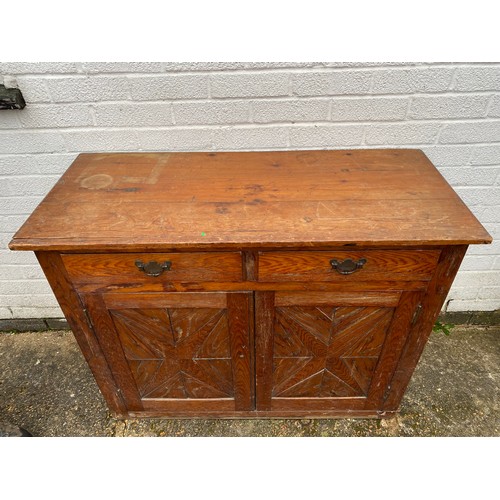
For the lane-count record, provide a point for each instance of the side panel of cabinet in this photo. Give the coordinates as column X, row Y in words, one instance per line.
column 325, row 352
column 172, row 352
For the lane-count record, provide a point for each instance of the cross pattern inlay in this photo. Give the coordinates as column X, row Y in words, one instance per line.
column 177, row 353
column 327, row 351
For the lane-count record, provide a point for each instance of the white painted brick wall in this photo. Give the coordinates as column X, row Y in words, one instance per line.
column 477, row 77
column 322, row 136
column 290, row 110
column 494, row 111
column 211, row 112
column 329, row 83
column 55, row 116
column 454, row 106
column 411, row 81
column 467, row 132
column 369, row 109
column 150, row 88
column 450, row 110
column 128, row 114
column 261, row 84
column 88, row 88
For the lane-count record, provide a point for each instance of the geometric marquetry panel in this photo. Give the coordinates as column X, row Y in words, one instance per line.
column 177, row 352
column 327, row 351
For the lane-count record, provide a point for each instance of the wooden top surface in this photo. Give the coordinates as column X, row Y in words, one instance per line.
column 148, row 201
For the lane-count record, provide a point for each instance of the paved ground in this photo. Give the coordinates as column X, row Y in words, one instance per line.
column 47, row 388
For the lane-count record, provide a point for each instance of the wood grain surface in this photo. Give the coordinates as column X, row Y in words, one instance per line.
column 83, row 331
column 119, row 268
column 324, row 351
column 344, row 286
column 432, row 303
column 177, row 351
column 147, row 201
column 315, row 266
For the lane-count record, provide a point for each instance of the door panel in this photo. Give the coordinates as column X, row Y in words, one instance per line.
column 320, row 355
column 178, row 351
column 327, row 351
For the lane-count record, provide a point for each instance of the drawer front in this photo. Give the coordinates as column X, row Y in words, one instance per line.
column 369, row 265
column 153, row 267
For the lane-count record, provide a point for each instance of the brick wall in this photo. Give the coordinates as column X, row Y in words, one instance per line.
column 451, row 111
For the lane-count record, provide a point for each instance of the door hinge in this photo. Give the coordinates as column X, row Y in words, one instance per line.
column 416, row 315
column 89, row 320
column 386, row 392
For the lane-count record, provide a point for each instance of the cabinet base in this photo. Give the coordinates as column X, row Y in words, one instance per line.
column 261, row 415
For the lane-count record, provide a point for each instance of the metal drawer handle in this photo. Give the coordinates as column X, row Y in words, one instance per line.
column 153, row 268
column 347, row 266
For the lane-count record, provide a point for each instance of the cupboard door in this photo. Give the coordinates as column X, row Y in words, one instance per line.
column 320, row 351
column 177, row 352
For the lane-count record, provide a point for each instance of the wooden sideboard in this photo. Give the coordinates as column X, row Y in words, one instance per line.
column 240, row 284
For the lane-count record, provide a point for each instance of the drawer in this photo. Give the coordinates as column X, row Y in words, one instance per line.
column 358, row 265
column 153, row 267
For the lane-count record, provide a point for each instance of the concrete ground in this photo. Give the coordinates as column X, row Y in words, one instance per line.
column 47, row 389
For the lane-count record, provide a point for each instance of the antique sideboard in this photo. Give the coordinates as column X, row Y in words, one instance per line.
column 240, row 284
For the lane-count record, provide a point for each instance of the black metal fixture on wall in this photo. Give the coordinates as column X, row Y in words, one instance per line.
column 11, row 98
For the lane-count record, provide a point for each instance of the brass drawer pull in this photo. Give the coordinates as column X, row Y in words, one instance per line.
column 347, row 266
column 153, row 268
